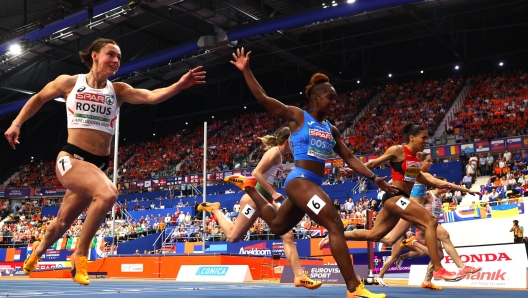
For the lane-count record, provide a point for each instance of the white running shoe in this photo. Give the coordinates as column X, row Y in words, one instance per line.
column 382, row 282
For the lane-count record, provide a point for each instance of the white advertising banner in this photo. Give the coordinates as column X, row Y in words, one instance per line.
column 214, row 273
column 503, row 266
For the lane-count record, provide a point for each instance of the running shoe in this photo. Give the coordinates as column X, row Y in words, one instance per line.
column 431, row 286
column 31, row 262
column 399, row 263
column 468, row 270
column 408, row 242
column 79, row 269
column 382, row 282
column 305, row 281
column 446, row 275
column 242, row 181
column 209, row 207
column 363, row 293
column 324, row 242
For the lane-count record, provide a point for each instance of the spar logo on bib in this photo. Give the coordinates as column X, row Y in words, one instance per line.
column 321, row 134
column 89, row 96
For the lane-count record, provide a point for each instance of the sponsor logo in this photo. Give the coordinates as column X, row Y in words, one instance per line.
column 310, row 122
column 321, row 134
column 93, row 97
column 257, row 249
column 489, row 257
column 110, row 100
column 81, row 89
column 212, row 271
column 131, row 267
column 495, row 275
column 322, row 272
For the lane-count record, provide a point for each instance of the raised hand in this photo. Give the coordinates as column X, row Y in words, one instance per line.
column 241, row 59
column 195, row 76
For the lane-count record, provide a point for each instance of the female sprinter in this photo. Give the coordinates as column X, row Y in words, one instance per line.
column 92, row 104
column 267, row 172
column 405, row 168
column 418, row 195
column 312, row 140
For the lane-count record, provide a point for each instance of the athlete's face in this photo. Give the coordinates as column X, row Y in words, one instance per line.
column 325, row 101
column 420, row 140
column 426, row 164
column 108, row 59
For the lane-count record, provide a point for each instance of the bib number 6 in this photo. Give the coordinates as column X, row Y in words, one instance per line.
column 316, row 204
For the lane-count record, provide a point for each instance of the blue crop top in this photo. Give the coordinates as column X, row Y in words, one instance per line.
column 313, row 141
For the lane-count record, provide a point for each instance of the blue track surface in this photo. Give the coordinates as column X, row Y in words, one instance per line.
column 130, row 289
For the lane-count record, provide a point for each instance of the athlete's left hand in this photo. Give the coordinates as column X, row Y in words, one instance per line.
column 383, row 185
column 195, row 76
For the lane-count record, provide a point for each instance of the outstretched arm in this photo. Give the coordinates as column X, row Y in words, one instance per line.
column 276, row 108
column 60, row 86
column 126, row 93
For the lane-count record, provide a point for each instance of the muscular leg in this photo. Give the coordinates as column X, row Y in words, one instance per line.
column 401, row 227
column 279, row 221
column 290, row 250
column 395, row 254
column 72, row 206
column 300, row 192
column 385, row 222
column 90, row 183
column 450, row 249
column 234, row 231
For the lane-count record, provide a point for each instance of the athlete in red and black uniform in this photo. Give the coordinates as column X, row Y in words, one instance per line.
column 405, row 168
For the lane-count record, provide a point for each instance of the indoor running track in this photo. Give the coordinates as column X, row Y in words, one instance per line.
column 16, row 287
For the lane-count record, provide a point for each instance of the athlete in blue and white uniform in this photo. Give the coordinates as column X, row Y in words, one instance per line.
column 313, row 138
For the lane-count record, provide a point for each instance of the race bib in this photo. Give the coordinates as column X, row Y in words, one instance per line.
column 64, row 165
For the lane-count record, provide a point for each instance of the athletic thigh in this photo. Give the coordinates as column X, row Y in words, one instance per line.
column 408, row 210
column 246, row 217
column 312, row 200
column 288, row 215
column 83, row 178
column 385, row 222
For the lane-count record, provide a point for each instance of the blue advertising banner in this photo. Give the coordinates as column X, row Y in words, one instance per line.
column 257, row 248
column 17, row 192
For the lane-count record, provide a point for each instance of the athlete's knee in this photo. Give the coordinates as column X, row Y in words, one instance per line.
column 431, row 222
column 388, row 240
column 288, row 237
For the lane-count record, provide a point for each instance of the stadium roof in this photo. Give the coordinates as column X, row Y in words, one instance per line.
column 367, row 45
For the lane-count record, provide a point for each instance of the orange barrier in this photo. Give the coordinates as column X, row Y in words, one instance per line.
column 168, row 266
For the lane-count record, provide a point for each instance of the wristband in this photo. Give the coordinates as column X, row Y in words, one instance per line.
column 19, row 125
column 373, row 177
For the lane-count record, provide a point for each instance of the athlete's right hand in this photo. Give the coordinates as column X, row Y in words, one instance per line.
column 241, row 59
column 12, row 134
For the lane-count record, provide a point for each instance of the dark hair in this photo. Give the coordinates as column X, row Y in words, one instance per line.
column 410, row 129
column 96, row 46
column 316, row 84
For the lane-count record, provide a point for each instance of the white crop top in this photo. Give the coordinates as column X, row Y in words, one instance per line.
column 272, row 175
column 92, row 108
